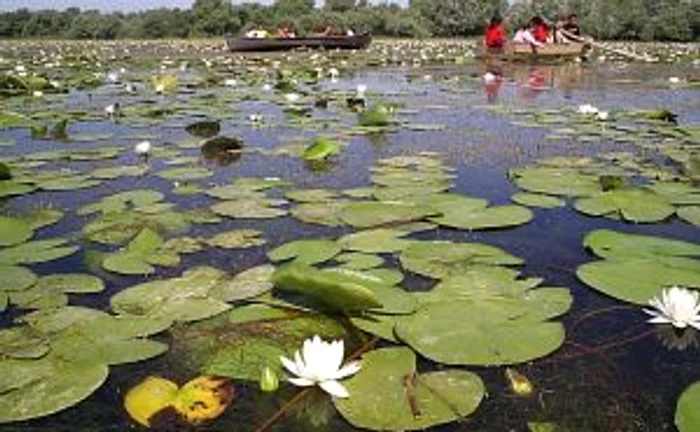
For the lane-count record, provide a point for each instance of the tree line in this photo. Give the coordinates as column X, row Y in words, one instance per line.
column 667, row 20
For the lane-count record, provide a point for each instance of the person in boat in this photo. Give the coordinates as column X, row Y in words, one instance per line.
column 524, row 36
column 495, row 36
column 568, row 31
column 285, row 33
column 540, row 30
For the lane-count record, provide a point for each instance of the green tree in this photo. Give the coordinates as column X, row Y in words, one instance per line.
column 341, row 5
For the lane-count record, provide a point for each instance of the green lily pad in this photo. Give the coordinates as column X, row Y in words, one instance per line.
column 381, row 240
column 677, row 193
column 408, row 400
column 10, row 119
column 537, row 200
column 687, row 415
column 487, row 331
column 127, row 264
column 242, row 238
column 250, row 208
column 690, row 214
column 14, row 231
column 70, row 283
column 322, row 213
column 15, row 278
column 311, row 195
column 374, row 213
column 306, row 251
column 36, row 251
column 485, row 218
column 556, row 181
column 257, row 312
column 359, row 261
column 185, row 298
column 22, row 343
column 632, row 204
column 184, row 173
column 111, row 173
column 121, row 202
column 11, row 188
column 444, row 259
column 333, row 290
column 322, row 148
column 637, row 268
column 247, row 284
column 37, row 388
column 40, row 218
column 68, row 183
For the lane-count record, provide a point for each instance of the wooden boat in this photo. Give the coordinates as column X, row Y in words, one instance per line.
column 525, row 52
column 355, row 42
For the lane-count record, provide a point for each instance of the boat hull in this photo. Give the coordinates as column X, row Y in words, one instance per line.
column 285, row 44
column 514, row 51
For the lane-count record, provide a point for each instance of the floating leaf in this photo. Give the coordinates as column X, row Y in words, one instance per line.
column 204, row 129
column 556, row 181
column 247, row 284
column 322, row 148
column 443, row 259
column 184, row 173
column 14, row 231
column 305, row 251
column 70, row 283
column 687, row 414
column 537, row 200
column 199, row 400
column 11, row 187
column 333, row 290
column 250, row 208
column 408, row 400
column 690, row 214
column 489, row 331
column 37, row 388
column 36, row 251
column 242, row 238
column 484, row 218
column 370, row 214
column 632, row 204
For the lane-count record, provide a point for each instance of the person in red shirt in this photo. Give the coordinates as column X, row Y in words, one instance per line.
column 540, row 30
column 495, row 35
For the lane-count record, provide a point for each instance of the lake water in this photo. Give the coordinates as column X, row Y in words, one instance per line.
column 613, row 372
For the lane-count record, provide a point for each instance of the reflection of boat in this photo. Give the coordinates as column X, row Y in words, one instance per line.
column 361, row 41
column 515, row 51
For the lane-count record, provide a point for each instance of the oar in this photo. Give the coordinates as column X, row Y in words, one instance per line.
column 603, row 47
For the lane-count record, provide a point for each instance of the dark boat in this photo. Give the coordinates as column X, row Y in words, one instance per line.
column 355, row 42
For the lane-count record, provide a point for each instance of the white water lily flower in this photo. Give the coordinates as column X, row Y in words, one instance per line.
column 361, row 90
column 143, row 148
column 677, row 306
column 267, row 87
column 160, row 88
column 230, row 82
column 319, row 363
column 292, row 97
column 674, row 80
column 255, row 118
column 602, row 115
column 37, row 93
column 587, row 109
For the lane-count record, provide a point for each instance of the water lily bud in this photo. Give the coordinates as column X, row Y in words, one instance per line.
column 519, row 383
column 269, row 381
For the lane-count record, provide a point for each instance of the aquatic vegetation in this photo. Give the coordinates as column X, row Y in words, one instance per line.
column 319, row 363
column 687, row 418
column 677, row 306
column 242, row 205
column 199, row 400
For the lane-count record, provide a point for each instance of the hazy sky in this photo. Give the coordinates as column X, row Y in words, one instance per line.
column 125, row 5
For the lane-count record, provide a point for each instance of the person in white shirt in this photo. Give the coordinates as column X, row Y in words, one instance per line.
column 524, row 35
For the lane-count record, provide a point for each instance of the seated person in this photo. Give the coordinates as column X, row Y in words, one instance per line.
column 524, row 35
column 495, row 35
column 571, row 30
column 539, row 29
column 285, row 33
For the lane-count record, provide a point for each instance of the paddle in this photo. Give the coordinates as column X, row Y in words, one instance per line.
column 603, row 47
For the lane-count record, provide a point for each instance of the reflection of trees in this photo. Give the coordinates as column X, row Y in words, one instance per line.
column 222, row 150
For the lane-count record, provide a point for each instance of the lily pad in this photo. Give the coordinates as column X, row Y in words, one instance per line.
column 36, row 251
column 690, row 214
column 637, row 268
column 247, row 284
column 632, row 204
column 321, row 148
column 250, row 208
column 556, row 181
column 14, row 231
column 333, row 290
column 306, row 251
column 184, row 173
column 687, row 415
column 487, row 331
column 443, row 259
column 374, row 213
column 11, row 188
column 242, row 238
column 15, row 278
column 537, row 200
column 408, row 400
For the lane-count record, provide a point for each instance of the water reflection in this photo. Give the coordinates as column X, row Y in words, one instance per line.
column 222, row 151
column 673, row 339
column 531, row 81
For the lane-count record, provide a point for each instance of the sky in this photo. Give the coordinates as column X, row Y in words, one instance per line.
column 123, row 5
